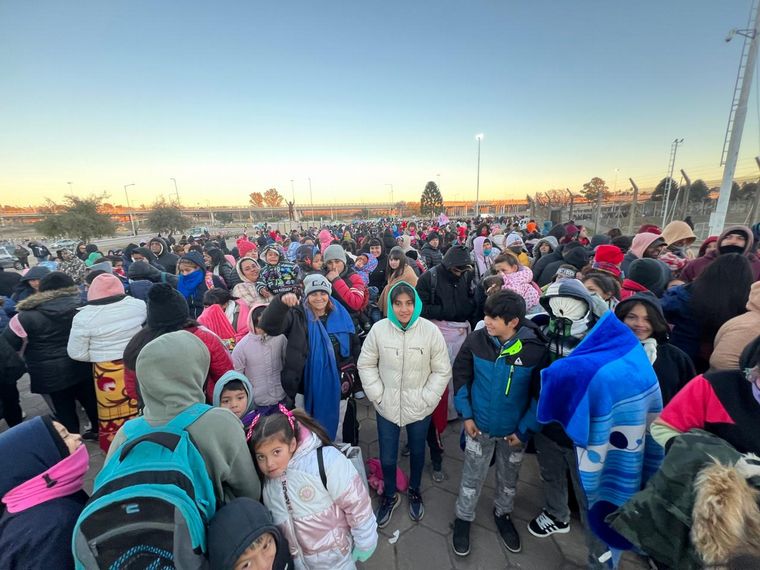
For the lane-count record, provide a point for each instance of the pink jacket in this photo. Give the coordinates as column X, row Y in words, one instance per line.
column 521, row 282
column 322, row 525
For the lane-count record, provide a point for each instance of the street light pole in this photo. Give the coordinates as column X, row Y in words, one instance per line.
column 311, row 199
column 477, row 183
column 176, row 190
column 129, row 209
column 70, row 185
column 392, row 206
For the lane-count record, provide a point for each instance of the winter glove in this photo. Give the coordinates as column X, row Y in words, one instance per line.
column 361, row 555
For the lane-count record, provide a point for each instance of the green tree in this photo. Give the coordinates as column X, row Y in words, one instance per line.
column 594, row 187
column 699, row 191
column 167, row 217
column 223, row 218
column 431, row 201
column 659, row 192
column 77, row 218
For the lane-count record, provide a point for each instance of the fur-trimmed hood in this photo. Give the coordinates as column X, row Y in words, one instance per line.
column 726, row 514
column 34, row 301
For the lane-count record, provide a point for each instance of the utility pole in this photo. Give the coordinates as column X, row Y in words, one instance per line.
column 477, row 183
column 129, row 209
column 736, row 118
column 668, row 183
column 634, row 205
column 311, row 199
column 687, row 191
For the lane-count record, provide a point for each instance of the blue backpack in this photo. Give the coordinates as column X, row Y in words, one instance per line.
column 152, row 501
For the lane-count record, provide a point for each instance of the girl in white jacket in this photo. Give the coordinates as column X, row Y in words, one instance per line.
column 100, row 332
column 324, row 510
column 405, row 368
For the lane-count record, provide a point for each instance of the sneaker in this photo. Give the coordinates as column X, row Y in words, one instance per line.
column 405, row 450
column 508, row 532
column 438, row 475
column 461, row 538
column 545, row 525
column 386, row 509
column 416, row 508
column 90, row 435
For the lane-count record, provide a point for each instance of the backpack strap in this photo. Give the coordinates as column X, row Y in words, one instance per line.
column 182, row 420
column 321, row 465
column 433, row 283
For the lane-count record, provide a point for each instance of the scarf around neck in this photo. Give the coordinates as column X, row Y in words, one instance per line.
column 63, row 479
column 321, row 376
column 187, row 284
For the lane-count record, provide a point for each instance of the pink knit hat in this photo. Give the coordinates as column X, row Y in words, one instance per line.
column 103, row 286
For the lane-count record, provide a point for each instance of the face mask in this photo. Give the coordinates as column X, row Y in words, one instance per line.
column 487, row 252
column 516, row 249
column 731, row 249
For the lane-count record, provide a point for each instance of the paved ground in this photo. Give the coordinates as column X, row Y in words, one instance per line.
column 427, row 544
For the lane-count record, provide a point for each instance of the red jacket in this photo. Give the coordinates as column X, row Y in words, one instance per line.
column 351, row 291
column 221, row 362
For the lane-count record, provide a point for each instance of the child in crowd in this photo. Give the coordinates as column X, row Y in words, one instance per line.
column 518, row 278
column 325, row 514
column 364, row 265
column 496, row 383
column 260, row 358
column 278, row 275
column 242, row 536
column 194, row 281
column 233, row 391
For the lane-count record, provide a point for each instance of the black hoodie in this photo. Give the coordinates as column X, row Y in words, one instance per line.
column 453, row 298
column 235, row 527
column 165, row 256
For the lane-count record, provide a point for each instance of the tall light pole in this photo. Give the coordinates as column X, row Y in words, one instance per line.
column 70, row 185
column 669, row 181
column 479, row 137
column 176, row 190
column 311, row 199
column 129, row 209
column 736, row 118
column 391, row 185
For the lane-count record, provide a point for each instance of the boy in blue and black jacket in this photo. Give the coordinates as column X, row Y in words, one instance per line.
column 496, row 386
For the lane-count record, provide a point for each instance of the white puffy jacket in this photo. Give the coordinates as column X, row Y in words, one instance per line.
column 404, row 373
column 100, row 333
column 322, row 525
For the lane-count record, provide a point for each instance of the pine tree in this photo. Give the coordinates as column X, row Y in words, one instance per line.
column 431, row 201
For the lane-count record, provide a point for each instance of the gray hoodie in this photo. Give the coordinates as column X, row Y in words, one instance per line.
column 171, row 371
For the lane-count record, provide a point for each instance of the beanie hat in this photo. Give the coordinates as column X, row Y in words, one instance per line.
column 597, row 240
column 55, row 280
column 316, row 282
column 194, row 257
column 106, row 266
column 39, row 271
column 649, row 228
column 622, row 242
column 103, row 286
column 433, row 235
column 514, row 240
column 244, row 247
column 558, row 231
column 608, row 258
column 648, row 273
column 571, row 230
column 334, row 251
column 167, row 307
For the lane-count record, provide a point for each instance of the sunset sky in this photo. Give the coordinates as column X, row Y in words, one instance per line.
column 231, row 97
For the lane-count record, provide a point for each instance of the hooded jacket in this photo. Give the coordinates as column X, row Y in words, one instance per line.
column 404, row 371
column 171, row 370
column 431, row 255
column 261, row 358
column 697, row 266
column 228, row 377
column 577, row 256
column 551, row 241
column 40, row 536
column 639, row 245
column 246, row 289
column 322, row 525
column 165, row 257
column 737, row 333
column 686, row 331
column 279, row 278
column 407, row 275
column 100, row 331
column 672, row 365
column 453, row 298
column 497, row 385
column 149, row 256
column 235, row 527
column 222, row 268
column 46, row 318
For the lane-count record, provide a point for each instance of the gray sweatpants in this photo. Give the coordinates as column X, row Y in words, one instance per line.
column 477, row 459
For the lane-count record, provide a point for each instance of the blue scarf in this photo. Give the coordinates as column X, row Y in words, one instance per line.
column 187, row 284
column 321, row 377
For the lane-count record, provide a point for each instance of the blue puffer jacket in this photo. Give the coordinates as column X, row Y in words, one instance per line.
column 497, row 386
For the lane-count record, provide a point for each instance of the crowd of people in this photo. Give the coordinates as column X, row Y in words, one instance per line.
column 222, row 383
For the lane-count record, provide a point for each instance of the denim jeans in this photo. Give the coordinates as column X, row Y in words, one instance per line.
column 436, row 447
column 554, row 461
column 388, row 435
column 477, row 459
